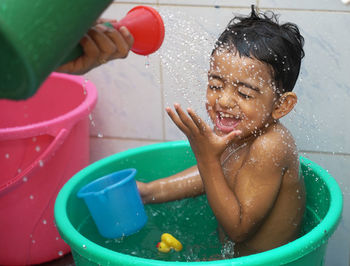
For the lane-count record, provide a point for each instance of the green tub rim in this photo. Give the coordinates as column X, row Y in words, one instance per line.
column 285, row 254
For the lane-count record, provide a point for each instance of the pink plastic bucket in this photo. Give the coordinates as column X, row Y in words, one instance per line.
column 43, row 142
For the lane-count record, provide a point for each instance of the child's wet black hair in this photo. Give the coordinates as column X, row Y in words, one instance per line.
column 260, row 36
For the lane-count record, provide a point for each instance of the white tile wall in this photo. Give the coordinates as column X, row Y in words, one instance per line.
column 129, row 105
column 132, row 97
column 138, row 2
column 320, row 120
column 333, row 5
column 103, row 147
column 129, row 94
column 230, row 3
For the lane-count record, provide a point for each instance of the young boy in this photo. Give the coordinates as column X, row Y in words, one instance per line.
column 248, row 164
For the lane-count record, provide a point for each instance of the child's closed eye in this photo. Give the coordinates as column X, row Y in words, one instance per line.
column 215, row 88
column 243, row 95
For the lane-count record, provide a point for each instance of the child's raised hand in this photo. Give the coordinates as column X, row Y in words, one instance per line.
column 204, row 142
column 100, row 45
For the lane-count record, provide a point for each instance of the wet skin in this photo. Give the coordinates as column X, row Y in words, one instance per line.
column 248, row 164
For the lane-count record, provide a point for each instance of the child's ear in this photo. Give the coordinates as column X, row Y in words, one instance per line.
column 284, row 105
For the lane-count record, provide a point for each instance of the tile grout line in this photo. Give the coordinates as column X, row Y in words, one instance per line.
column 127, row 139
column 307, row 10
column 162, row 91
column 162, row 101
column 165, row 140
column 325, row 152
column 239, row 7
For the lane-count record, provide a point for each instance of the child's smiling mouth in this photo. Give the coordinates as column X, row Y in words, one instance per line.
column 226, row 122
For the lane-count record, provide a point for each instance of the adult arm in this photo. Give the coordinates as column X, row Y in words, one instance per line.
column 100, row 45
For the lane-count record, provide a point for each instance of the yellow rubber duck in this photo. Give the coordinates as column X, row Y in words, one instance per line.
column 168, row 242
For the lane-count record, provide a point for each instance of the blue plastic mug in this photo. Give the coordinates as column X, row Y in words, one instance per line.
column 115, row 204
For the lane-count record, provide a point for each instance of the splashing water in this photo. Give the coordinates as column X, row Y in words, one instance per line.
column 147, row 64
column 185, row 57
column 92, row 122
column 84, row 86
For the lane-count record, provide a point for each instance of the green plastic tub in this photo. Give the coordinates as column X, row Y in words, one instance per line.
column 190, row 217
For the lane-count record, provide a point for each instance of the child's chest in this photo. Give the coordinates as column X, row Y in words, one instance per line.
column 231, row 161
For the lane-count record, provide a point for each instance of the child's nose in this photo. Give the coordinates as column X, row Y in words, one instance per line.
column 226, row 99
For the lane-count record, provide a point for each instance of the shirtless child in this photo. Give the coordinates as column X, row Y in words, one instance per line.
column 248, row 164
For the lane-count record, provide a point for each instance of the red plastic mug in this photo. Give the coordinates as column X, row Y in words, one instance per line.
column 146, row 26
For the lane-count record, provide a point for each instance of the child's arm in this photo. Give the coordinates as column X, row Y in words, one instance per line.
column 242, row 210
column 184, row 184
column 239, row 211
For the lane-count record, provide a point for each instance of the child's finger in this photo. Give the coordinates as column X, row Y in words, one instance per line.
column 186, row 119
column 233, row 135
column 202, row 126
column 177, row 121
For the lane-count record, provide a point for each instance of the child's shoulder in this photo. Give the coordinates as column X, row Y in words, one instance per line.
column 277, row 141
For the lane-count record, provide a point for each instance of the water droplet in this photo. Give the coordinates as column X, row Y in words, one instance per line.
column 44, row 221
column 147, row 61
column 84, row 86
column 60, row 253
column 7, row 155
column 31, row 197
column 41, row 163
column 25, row 179
column 37, row 148
column 100, row 135
column 91, row 120
column 84, row 246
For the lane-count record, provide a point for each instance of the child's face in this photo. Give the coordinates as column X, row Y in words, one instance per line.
column 240, row 94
